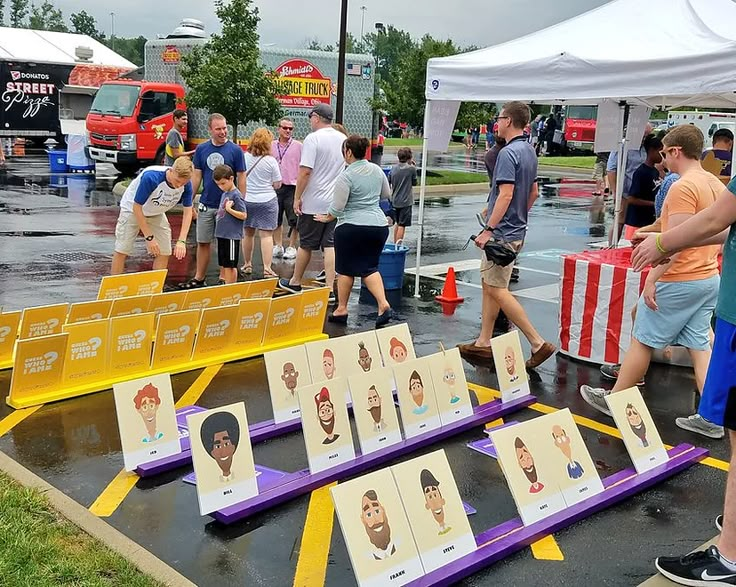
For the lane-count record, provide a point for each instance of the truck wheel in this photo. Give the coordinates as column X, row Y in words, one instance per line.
column 126, row 170
column 160, row 156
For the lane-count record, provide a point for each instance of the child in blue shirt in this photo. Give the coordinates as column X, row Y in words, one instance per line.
column 230, row 222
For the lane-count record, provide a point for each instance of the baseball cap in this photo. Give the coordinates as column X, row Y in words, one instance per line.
column 324, row 111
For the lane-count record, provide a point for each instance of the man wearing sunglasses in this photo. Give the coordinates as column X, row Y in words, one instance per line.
column 679, row 296
column 287, row 153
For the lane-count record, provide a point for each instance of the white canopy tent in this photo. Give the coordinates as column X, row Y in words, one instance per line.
column 655, row 53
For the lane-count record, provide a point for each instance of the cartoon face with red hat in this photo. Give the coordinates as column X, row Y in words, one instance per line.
column 326, row 415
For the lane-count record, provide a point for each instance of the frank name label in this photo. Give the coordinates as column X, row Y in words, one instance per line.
column 397, row 575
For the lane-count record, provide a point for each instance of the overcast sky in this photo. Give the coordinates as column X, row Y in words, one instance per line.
column 289, row 22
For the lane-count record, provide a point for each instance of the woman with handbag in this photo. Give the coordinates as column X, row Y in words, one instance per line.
column 263, row 179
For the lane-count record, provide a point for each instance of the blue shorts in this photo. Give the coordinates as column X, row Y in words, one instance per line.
column 718, row 402
column 685, row 311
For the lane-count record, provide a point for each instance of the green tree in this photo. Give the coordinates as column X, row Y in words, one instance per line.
column 18, row 13
column 2, row 12
column 388, row 48
column 225, row 75
column 47, row 18
column 473, row 114
column 405, row 95
column 85, row 24
column 132, row 49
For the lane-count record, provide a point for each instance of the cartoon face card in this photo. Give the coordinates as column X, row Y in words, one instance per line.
column 640, row 435
column 525, row 452
column 374, row 411
column 396, row 344
column 222, row 456
column 417, row 400
column 450, row 386
column 325, row 424
column 328, row 362
column 360, row 353
column 146, row 419
column 580, row 479
column 287, row 370
column 509, row 359
column 376, row 531
column 435, row 510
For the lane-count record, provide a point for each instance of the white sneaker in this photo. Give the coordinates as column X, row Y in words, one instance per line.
column 290, row 253
column 278, row 251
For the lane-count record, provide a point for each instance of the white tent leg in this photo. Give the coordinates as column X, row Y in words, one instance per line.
column 620, row 179
column 422, row 190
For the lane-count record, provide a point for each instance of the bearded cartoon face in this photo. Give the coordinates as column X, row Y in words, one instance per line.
column 364, row 358
column 375, row 521
column 290, row 377
column 374, row 404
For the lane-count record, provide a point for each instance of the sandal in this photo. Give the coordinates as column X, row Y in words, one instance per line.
column 337, row 319
column 269, row 273
column 247, row 269
column 192, row 284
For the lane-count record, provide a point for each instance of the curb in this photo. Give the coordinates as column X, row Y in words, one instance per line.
column 95, row 527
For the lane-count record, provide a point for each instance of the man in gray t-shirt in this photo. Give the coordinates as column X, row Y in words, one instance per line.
column 513, row 192
column 403, row 179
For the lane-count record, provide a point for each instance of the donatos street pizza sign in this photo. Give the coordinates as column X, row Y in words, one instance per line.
column 300, row 84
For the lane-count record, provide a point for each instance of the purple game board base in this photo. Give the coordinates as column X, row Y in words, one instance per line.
column 505, row 539
column 305, row 482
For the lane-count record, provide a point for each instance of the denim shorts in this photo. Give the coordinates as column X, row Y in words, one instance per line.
column 684, row 316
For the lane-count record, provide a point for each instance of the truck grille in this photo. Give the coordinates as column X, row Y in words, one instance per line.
column 104, row 138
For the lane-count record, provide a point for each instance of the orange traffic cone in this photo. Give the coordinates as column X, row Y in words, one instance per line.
column 449, row 291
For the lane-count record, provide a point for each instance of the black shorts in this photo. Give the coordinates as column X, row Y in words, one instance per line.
column 228, row 253
column 285, row 196
column 314, row 235
column 358, row 249
column 402, row 216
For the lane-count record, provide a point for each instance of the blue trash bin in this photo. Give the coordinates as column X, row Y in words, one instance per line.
column 57, row 161
column 391, row 266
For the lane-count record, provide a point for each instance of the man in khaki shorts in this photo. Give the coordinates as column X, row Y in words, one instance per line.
column 513, row 192
column 143, row 210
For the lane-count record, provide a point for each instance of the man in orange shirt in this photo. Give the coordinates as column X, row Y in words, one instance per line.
column 680, row 296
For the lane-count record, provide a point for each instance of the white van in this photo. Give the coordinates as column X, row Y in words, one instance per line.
column 707, row 122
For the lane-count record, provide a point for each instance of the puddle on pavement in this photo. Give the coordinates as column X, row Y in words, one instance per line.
column 33, row 233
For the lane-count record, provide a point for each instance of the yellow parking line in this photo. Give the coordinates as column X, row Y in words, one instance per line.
column 195, row 391
column 311, row 567
column 547, row 549
column 16, row 417
column 118, row 489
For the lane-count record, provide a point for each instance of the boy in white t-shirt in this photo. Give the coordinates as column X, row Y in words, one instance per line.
column 143, row 210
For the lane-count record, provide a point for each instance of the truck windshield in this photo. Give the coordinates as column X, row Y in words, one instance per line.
column 116, row 99
column 582, row 112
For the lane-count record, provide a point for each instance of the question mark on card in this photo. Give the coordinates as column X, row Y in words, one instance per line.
column 95, row 343
column 50, row 358
column 140, row 335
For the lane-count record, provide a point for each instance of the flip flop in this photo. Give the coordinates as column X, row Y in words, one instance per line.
column 247, row 269
column 269, row 273
column 337, row 319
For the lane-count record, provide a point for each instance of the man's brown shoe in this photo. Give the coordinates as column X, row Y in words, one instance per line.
column 544, row 353
column 471, row 351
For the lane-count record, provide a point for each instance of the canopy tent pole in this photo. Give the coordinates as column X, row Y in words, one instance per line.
column 620, row 175
column 422, row 190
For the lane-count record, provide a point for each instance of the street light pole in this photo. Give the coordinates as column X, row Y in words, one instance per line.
column 362, row 21
column 112, row 30
column 341, row 62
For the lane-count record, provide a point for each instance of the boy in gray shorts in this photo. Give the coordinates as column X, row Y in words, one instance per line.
column 403, row 179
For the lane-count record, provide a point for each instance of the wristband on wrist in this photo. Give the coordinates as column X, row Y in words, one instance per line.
column 181, row 241
column 658, row 242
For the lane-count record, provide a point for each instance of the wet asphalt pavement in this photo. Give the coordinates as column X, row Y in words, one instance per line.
column 56, row 238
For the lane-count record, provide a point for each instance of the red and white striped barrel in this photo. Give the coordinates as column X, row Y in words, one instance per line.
column 598, row 290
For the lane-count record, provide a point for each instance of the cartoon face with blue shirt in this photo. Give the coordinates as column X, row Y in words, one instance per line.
column 416, row 389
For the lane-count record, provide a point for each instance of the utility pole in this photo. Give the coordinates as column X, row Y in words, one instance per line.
column 362, row 21
column 341, row 62
column 112, row 30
